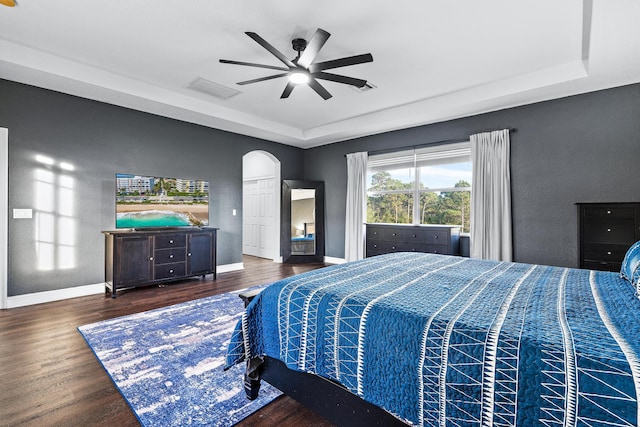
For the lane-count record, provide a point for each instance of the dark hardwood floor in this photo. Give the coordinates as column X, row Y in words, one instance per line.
column 49, row 376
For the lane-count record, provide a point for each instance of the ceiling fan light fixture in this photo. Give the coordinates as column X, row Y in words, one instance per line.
column 299, row 77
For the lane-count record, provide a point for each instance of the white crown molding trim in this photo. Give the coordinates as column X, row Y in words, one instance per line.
column 81, row 291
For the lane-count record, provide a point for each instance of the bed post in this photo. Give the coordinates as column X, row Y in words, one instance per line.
column 252, row 377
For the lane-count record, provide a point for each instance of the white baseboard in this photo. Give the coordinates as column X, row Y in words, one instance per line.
column 81, row 291
column 230, row 267
column 333, row 260
column 57, row 295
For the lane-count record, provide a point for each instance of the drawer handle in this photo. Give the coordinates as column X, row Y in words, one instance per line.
column 393, row 247
column 414, row 236
column 170, row 241
column 608, row 252
column 171, row 256
column 189, row 254
column 608, row 212
column 171, row 271
column 608, row 230
column 375, row 246
column 435, row 237
column 150, row 258
column 394, row 234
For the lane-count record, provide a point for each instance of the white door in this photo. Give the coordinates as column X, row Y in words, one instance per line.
column 259, row 217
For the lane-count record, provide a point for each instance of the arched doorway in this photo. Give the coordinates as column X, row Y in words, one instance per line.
column 261, row 205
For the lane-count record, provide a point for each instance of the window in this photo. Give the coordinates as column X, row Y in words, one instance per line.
column 430, row 185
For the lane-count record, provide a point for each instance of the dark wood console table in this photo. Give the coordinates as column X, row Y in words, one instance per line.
column 141, row 258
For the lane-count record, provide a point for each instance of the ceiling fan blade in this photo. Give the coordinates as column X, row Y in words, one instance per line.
column 313, row 47
column 275, row 52
column 287, row 90
column 342, row 62
column 10, row 3
column 261, row 79
column 340, row 79
column 251, row 64
column 320, row 90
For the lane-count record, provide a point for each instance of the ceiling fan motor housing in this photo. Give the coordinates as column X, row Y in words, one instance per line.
column 299, row 44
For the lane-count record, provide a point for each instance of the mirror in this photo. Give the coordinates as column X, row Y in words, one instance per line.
column 302, row 227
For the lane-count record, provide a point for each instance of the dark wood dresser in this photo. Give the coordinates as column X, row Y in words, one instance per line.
column 437, row 239
column 605, row 233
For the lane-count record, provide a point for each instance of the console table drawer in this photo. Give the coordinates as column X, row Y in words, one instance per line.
column 164, row 256
column 170, row 241
column 166, row 271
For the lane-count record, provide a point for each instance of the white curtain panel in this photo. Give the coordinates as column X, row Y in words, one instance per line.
column 356, row 206
column 491, row 196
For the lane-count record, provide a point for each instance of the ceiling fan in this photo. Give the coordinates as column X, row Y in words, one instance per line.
column 302, row 69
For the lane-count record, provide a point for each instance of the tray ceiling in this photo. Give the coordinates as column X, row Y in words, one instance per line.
column 433, row 60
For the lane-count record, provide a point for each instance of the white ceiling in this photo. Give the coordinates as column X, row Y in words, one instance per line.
column 433, row 60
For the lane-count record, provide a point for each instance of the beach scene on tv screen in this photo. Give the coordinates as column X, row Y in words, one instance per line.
column 149, row 201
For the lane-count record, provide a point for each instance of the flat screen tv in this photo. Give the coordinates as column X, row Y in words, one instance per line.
column 159, row 202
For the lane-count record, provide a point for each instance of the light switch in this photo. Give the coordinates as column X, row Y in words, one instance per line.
column 22, row 213
column 234, row 212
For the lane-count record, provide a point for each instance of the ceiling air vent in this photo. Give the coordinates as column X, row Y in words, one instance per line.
column 212, row 88
column 367, row 87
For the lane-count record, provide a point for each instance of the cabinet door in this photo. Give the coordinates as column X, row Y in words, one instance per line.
column 200, row 253
column 133, row 260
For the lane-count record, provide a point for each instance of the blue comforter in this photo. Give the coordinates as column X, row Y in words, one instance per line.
column 441, row 340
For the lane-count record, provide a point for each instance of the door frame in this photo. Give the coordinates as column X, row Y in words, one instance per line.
column 278, row 179
column 4, row 214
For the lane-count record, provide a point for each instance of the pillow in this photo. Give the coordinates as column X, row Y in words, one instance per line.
column 630, row 263
column 635, row 280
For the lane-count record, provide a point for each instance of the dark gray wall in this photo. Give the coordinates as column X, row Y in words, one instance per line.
column 584, row 148
column 99, row 140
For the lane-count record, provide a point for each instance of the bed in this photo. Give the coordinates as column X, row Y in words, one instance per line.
column 442, row 340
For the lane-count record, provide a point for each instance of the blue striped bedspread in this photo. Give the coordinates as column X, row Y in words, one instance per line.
column 448, row 341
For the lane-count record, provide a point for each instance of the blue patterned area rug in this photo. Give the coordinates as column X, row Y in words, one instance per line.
column 167, row 363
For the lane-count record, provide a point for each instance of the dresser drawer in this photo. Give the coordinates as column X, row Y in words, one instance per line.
column 393, row 235
column 164, row 256
column 436, row 249
column 436, row 236
column 166, row 271
column 616, row 231
column 602, row 252
column 602, row 265
column 170, row 241
column 385, row 247
column 609, row 212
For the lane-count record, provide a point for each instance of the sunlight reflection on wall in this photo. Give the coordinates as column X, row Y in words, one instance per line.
column 55, row 223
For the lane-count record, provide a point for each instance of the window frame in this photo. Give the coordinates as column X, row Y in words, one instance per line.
column 422, row 157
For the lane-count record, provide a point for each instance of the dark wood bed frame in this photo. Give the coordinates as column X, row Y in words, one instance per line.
column 329, row 399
